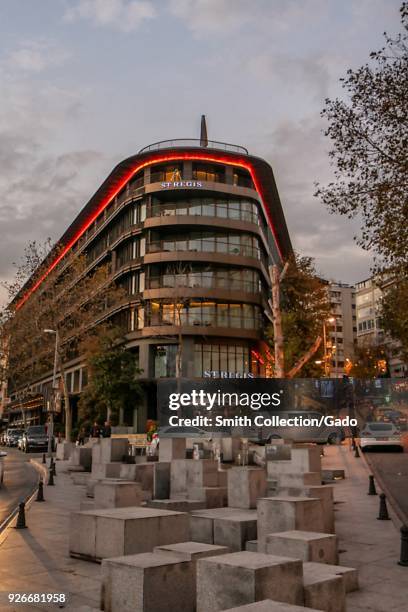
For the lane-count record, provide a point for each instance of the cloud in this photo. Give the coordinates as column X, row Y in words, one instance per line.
column 124, row 15
column 298, row 156
column 229, row 16
column 35, row 56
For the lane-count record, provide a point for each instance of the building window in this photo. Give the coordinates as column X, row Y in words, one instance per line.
column 242, row 178
column 240, row 210
column 166, row 173
column 207, row 172
column 221, row 360
column 245, row 245
column 164, row 359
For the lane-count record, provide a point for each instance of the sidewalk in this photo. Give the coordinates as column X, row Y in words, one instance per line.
column 36, row 560
column 370, row 545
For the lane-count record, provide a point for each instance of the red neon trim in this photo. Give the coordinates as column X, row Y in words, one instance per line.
column 106, row 202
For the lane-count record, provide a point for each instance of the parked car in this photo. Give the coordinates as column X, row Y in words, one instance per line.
column 35, row 438
column 377, row 434
column 395, row 416
column 2, row 455
column 325, row 434
column 13, row 435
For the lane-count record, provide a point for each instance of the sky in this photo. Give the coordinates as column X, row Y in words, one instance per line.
column 86, row 83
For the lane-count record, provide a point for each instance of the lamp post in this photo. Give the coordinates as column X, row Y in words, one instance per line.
column 326, row 364
column 54, row 387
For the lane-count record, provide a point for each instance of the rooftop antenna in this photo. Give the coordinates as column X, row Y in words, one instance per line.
column 203, row 133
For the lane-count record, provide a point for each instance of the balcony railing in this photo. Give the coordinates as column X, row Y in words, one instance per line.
column 193, row 142
column 193, row 280
column 203, row 246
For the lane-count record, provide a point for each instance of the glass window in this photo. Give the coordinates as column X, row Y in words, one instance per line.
column 165, row 360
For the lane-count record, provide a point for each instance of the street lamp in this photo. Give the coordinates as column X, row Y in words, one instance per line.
column 54, row 386
column 326, row 365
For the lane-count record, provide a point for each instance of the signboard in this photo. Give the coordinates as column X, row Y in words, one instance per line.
column 181, row 184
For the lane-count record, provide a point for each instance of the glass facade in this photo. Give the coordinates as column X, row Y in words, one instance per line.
column 242, row 244
column 214, row 360
column 164, row 358
column 194, row 276
column 236, row 209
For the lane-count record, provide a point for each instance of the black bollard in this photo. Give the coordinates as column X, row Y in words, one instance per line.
column 21, row 523
column 53, row 469
column 50, row 477
column 353, row 444
column 404, row 547
column 40, row 492
column 356, row 453
column 371, row 486
column 383, row 513
column 43, row 459
column 51, row 461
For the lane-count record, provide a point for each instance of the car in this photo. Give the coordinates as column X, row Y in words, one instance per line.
column 183, row 432
column 395, row 416
column 325, row 434
column 377, row 434
column 34, row 438
column 13, row 435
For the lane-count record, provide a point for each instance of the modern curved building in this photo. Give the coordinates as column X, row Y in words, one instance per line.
column 190, row 228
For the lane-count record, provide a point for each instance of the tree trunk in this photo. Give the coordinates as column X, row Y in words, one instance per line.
column 67, row 404
column 277, row 323
column 299, row 365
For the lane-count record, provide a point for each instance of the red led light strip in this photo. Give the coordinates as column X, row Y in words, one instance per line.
column 106, row 201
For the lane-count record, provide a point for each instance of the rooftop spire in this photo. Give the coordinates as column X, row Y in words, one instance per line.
column 203, row 132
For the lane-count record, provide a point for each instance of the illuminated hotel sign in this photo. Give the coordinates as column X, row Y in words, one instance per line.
column 223, row 374
column 178, row 184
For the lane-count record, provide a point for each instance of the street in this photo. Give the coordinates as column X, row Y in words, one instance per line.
column 19, row 479
column 392, row 468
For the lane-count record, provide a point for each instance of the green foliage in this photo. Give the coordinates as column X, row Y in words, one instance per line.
column 304, row 305
column 370, row 362
column 112, row 372
column 368, row 130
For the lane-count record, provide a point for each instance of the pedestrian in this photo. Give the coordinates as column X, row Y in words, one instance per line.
column 81, row 436
column 96, row 430
column 106, row 430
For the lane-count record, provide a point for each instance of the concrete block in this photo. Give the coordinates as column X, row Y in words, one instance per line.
column 86, row 504
column 188, row 474
column 349, row 574
column 147, row 582
column 177, row 505
column 305, row 545
column 223, row 478
column 251, row 546
column 241, row 578
column 267, row 605
column 80, row 478
column 333, row 474
column 172, row 448
column 90, row 487
column 113, row 449
column 323, row 591
column 306, row 458
column 277, row 452
column 118, row 494
column 105, row 470
column 245, row 485
column 234, row 531
column 284, row 513
column 229, row 527
column 99, row 534
column 81, row 456
column 64, row 450
column 127, row 471
column 326, row 495
column 161, row 480
column 212, row 497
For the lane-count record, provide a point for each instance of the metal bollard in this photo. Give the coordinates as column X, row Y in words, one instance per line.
column 43, row 459
column 353, row 444
column 53, row 469
column 371, row 486
column 21, row 523
column 50, row 477
column 40, row 492
column 383, row 513
column 356, row 453
column 404, row 546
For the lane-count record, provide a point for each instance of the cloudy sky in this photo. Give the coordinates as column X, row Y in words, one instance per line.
column 85, row 83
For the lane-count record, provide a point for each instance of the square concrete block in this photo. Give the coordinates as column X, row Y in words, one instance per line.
column 118, row 494
column 245, row 485
column 267, row 605
column 177, row 505
column 113, row 449
column 349, row 574
column 212, row 497
column 202, row 473
column 251, row 546
column 305, row 545
column 124, row 531
column 81, row 456
column 105, row 470
column 306, row 458
column 128, row 471
column 244, row 577
column 64, row 450
column 229, row 527
column 161, row 480
column 284, row 513
column 172, row 448
column 322, row 590
column 326, row 495
column 147, row 582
